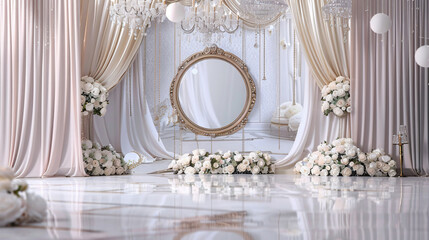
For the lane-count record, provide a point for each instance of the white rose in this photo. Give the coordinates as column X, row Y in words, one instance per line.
column 215, row 165
column 385, row 167
column 103, row 111
column 371, row 171
column 372, row 157
column 360, row 170
column 341, row 103
column 328, row 99
column 203, row 152
column 351, row 164
column 345, row 161
column 190, row 170
column 335, row 156
column 261, row 163
column 227, row 155
column 349, row 109
column 95, row 91
column 195, row 159
column 238, row 157
column 230, row 169
column 241, row 167
column 328, row 168
column 97, row 155
column 304, row 170
column 196, row 152
column 246, row 162
column 88, row 87
column 315, row 170
column 255, row 170
column 120, row 171
column 385, row 158
column 89, row 167
column 95, row 163
column 340, row 149
column 392, row 163
column 297, row 167
column 362, row 157
column 338, row 112
column 335, row 171
column 351, row 153
column 341, row 92
column 392, row 173
column 324, row 172
column 346, row 172
column 102, row 97
column 11, row 208
column 207, row 165
column 253, row 155
column 186, row 161
column 379, row 164
column 346, row 87
column 172, row 163
column 108, row 164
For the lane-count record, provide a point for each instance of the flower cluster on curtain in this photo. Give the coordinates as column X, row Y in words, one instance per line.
column 39, row 88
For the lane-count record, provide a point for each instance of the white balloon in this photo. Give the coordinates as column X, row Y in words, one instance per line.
column 175, row 12
column 422, row 56
column 380, row 23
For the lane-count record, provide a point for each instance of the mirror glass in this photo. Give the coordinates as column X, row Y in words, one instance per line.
column 212, row 93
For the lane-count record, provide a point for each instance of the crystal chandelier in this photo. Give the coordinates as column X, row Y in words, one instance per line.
column 338, row 8
column 209, row 17
column 339, row 13
column 137, row 14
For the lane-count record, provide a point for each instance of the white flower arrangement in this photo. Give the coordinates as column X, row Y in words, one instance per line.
column 202, row 162
column 18, row 206
column 93, row 97
column 100, row 161
column 342, row 157
column 336, row 97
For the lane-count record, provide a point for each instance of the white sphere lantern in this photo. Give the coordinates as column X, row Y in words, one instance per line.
column 380, row 23
column 422, row 56
column 175, row 12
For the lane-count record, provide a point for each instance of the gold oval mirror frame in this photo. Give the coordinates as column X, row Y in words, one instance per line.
column 214, row 52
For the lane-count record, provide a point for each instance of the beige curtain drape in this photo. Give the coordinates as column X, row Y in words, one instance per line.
column 388, row 88
column 326, row 49
column 39, row 88
column 108, row 48
column 327, row 54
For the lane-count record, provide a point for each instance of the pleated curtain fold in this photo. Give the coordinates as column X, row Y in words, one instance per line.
column 388, row 88
column 39, row 88
column 327, row 52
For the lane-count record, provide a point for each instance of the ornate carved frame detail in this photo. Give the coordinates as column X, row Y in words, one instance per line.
column 217, row 53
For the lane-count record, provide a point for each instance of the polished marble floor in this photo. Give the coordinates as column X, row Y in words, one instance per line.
column 281, row 206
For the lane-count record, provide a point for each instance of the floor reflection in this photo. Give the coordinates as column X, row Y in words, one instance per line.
column 230, row 207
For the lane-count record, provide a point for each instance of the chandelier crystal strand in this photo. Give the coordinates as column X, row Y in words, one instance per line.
column 339, row 13
column 210, row 18
column 137, row 14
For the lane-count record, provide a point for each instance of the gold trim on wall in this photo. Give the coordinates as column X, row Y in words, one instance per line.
column 216, row 53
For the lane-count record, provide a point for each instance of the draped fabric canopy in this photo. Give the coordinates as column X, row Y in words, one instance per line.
column 388, row 88
column 327, row 54
column 108, row 48
column 39, row 88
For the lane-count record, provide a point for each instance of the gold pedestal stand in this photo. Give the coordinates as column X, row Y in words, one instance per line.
column 400, row 140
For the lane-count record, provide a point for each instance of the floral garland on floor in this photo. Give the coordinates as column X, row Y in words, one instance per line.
column 202, row 162
column 17, row 206
column 336, row 97
column 93, row 97
column 342, row 157
column 100, row 161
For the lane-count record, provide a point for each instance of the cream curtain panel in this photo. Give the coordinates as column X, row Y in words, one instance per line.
column 108, row 48
column 128, row 124
column 388, row 88
column 326, row 51
column 327, row 55
column 39, row 88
